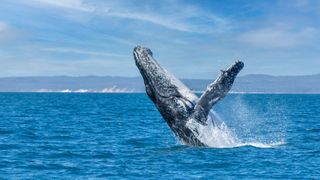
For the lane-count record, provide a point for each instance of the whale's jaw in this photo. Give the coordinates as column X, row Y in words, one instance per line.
column 172, row 98
column 176, row 103
column 158, row 81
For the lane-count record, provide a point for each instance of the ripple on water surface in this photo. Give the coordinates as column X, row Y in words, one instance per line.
column 110, row 136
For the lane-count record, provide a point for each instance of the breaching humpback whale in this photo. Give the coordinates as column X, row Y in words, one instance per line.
column 177, row 104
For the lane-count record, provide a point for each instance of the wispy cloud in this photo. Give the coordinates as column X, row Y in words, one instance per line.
column 3, row 26
column 8, row 33
column 70, row 4
column 181, row 23
column 81, row 51
column 151, row 18
column 187, row 19
column 278, row 37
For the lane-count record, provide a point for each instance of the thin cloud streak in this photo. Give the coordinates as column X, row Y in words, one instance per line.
column 8, row 33
column 275, row 37
column 178, row 21
column 187, row 18
column 80, row 51
column 3, row 26
column 69, row 4
column 152, row 19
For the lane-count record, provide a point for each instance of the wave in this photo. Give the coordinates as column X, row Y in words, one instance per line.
column 262, row 145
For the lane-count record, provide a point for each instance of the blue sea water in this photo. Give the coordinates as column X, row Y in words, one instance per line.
column 112, row 136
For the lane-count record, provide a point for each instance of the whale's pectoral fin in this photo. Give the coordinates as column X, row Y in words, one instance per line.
column 216, row 91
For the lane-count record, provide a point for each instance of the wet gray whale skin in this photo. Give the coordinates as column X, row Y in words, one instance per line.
column 178, row 104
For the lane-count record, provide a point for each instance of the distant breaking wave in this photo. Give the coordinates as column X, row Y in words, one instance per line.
column 113, row 89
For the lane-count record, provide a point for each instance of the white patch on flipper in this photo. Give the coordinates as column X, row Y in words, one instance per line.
column 183, row 90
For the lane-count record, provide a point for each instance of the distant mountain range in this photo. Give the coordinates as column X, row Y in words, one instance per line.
column 245, row 84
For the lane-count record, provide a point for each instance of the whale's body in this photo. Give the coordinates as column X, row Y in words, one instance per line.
column 183, row 111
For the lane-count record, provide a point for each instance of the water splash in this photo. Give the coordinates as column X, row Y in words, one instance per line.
column 216, row 134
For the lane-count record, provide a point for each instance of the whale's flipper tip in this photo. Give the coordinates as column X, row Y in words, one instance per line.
column 239, row 63
column 237, row 66
column 217, row 90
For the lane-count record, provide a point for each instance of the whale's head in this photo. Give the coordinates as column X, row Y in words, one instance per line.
column 172, row 98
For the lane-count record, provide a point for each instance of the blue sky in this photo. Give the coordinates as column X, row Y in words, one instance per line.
column 192, row 39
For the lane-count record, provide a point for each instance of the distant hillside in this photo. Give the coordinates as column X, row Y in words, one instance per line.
column 265, row 83
column 245, row 84
column 290, row 84
column 65, row 83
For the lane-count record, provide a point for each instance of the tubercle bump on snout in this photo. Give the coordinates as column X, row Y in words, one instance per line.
column 136, row 48
column 142, row 51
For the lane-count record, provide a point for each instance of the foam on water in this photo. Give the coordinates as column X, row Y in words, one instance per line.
column 262, row 145
column 216, row 134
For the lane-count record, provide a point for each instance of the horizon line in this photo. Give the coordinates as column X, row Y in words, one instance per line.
column 142, row 92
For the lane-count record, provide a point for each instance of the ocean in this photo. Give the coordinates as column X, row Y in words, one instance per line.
column 123, row 136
